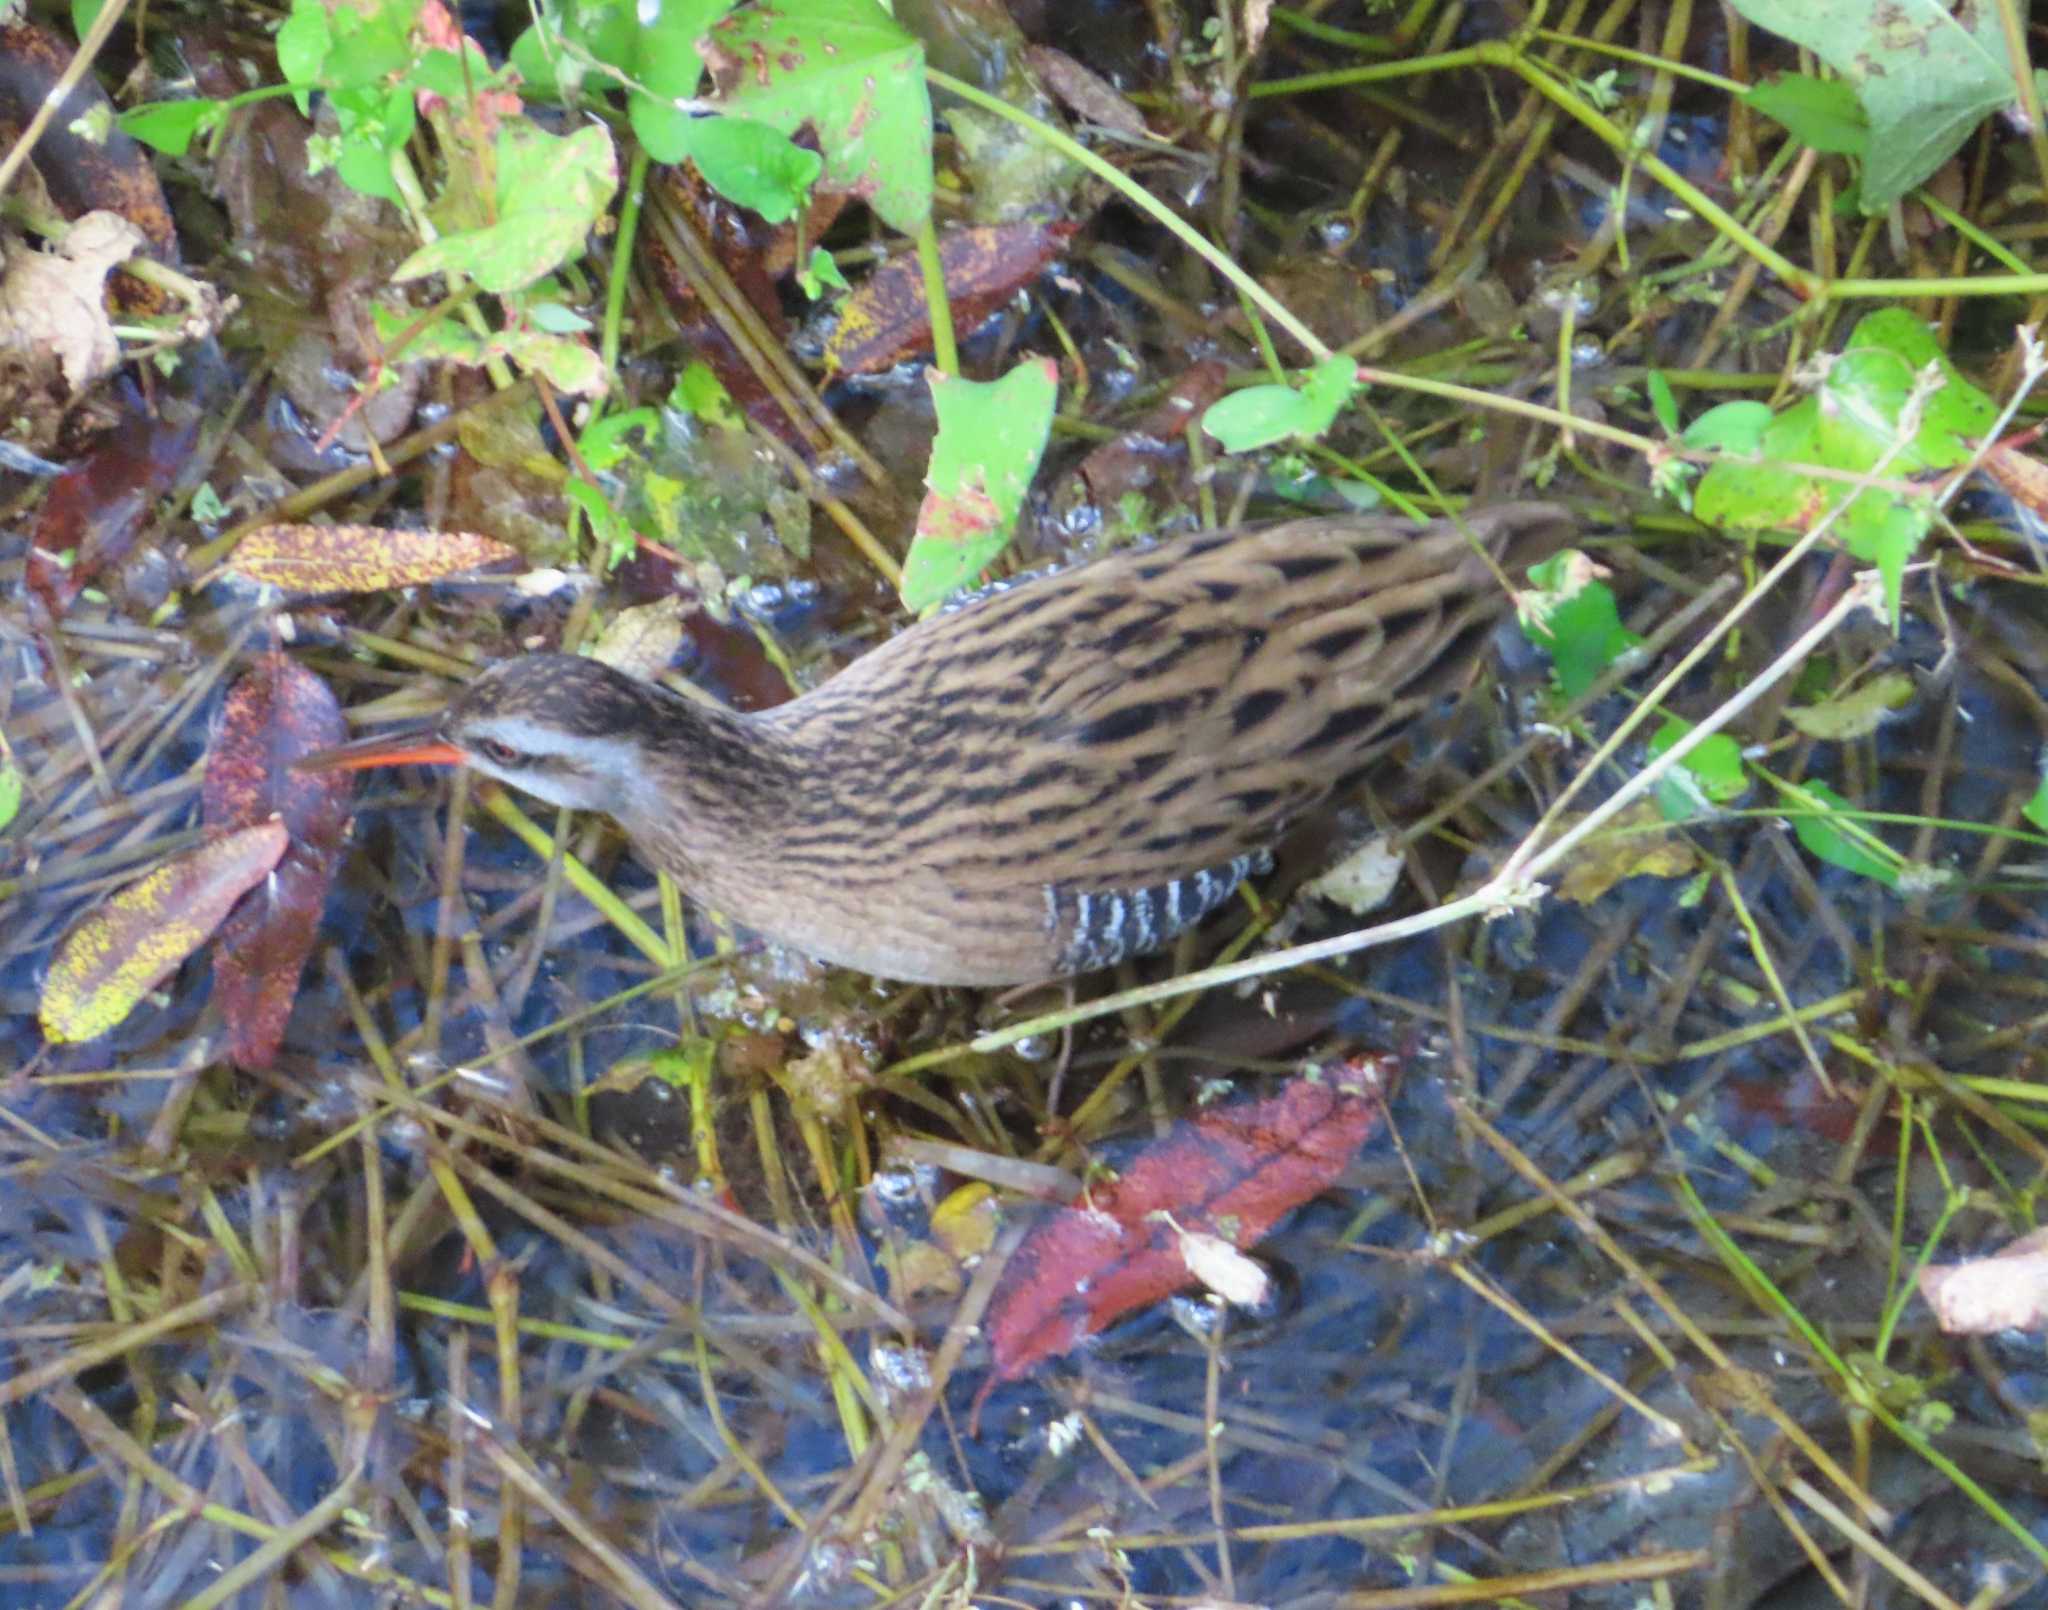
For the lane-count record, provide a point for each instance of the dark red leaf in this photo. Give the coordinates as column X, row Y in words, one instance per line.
column 1230, row 1172
column 277, row 714
column 886, row 320
column 96, row 507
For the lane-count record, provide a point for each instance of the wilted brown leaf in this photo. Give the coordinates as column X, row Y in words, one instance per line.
column 132, row 943
column 1086, row 92
column 360, row 558
column 52, row 306
column 1139, row 457
column 275, row 716
column 2026, row 479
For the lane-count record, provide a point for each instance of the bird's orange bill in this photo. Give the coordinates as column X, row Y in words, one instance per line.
column 412, row 746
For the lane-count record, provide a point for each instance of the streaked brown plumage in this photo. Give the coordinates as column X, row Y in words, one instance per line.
column 1046, row 779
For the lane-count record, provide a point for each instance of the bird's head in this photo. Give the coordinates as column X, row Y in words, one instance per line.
column 563, row 728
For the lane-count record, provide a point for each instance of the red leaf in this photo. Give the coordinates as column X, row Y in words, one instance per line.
column 276, row 715
column 1230, row 1172
column 96, row 508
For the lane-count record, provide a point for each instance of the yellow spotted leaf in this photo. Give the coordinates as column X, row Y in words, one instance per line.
column 122, row 951
column 360, row 558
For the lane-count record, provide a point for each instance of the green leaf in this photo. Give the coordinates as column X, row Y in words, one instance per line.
column 1256, row 417
column 303, row 40
column 1956, row 417
column 1710, row 776
column 668, row 67
column 1821, row 112
column 370, row 49
column 1662, row 403
column 557, row 319
column 440, row 72
column 84, row 13
column 1259, row 416
column 208, row 507
column 445, row 338
column 1926, row 72
column 1858, row 422
column 1856, row 714
column 11, row 784
column 1736, row 428
column 536, row 57
column 1825, row 839
column 603, row 444
column 753, row 165
column 611, row 529
column 846, row 68
column 2036, row 809
column 551, row 192
column 699, row 393
column 365, row 165
column 822, row 274
column 570, row 365
column 1574, row 619
column 991, row 437
column 374, row 124
column 553, row 56
column 169, row 126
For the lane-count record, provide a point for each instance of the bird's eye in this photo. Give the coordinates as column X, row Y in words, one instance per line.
column 497, row 752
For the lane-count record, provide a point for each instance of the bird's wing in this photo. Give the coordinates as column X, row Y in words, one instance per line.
column 1154, row 713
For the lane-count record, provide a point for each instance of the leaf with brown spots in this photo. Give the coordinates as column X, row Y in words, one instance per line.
column 274, row 717
column 360, row 558
column 123, row 950
column 991, row 437
column 1229, row 1173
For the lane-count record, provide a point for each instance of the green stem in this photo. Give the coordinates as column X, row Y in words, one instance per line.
column 1140, row 198
column 622, row 259
column 945, row 345
column 1642, row 58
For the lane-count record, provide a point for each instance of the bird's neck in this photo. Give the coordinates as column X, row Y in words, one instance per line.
column 709, row 793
